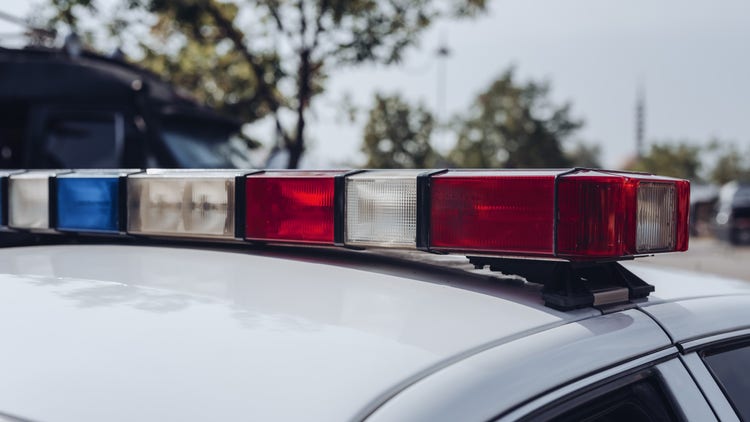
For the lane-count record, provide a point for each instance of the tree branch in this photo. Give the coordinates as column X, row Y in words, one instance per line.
column 238, row 39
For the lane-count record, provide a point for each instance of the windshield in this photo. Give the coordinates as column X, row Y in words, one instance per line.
column 195, row 145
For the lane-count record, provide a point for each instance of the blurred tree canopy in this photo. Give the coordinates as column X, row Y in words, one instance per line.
column 674, row 159
column 262, row 58
column 511, row 125
column 515, row 125
column 715, row 161
column 730, row 165
column 397, row 135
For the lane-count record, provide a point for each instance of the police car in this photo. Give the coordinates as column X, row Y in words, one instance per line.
column 367, row 295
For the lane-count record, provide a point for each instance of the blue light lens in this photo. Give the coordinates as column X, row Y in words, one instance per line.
column 88, row 204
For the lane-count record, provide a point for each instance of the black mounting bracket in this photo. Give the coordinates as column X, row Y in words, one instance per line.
column 571, row 285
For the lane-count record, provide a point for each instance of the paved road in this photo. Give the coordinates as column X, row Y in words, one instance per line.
column 709, row 256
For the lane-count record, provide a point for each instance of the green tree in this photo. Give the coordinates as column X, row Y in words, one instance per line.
column 584, row 155
column 397, row 135
column 514, row 125
column 730, row 164
column 674, row 159
column 269, row 57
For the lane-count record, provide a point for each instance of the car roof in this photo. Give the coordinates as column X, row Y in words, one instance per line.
column 272, row 334
column 196, row 333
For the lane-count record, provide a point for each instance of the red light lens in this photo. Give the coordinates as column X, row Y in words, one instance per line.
column 596, row 215
column 683, row 217
column 295, row 207
column 610, row 215
column 508, row 212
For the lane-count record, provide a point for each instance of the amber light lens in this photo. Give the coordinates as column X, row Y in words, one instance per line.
column 295, row 207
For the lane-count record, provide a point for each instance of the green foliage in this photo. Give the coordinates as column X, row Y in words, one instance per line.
column 674, row 159
column 514, row 125
column 269, row 57
column 583, row 155
column 731, row 164
column 397, row 135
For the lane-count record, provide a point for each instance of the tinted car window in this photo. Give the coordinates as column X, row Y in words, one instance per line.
column 729, row 367
column 197, row 144
column 83, row 141
column 640, row 401
column 633, row 398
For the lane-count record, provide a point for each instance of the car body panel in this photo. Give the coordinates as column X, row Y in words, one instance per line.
column 718, row 401
column 151, row 333
column 690, row 319
column 496, row 380
column 675, row 284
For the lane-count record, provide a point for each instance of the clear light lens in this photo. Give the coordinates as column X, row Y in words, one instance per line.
column 656, row 220
column 191, row 204
column 4, row 175
column 381, row 209
column 28, row 197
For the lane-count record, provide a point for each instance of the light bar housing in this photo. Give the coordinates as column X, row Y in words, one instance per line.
column 569, row 214
column 184, row 203
column 573, row 215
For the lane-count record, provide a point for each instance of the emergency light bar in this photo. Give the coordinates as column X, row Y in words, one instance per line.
column 573, row 215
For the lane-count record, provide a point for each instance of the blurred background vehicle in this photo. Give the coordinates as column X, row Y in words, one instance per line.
column 70, row 108
column 733, row 213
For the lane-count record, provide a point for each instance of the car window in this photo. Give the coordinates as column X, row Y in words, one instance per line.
column 84, row 141
column 634, row 398
column 198, row 145
column 729, row 365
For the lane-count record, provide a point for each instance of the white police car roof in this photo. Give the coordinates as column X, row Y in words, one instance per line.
column 108, row 332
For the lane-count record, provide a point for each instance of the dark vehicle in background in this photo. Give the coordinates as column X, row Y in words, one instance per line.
column 733, row 213
column 67, row 108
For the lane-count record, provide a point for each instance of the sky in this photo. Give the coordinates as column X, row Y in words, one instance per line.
column 692, row 58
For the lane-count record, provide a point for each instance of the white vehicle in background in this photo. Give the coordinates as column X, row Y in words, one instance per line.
column 188, row 295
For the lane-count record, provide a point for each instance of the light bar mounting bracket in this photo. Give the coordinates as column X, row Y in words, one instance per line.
column 573, row 285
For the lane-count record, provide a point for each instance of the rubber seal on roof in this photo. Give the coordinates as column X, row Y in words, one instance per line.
column 424, row 186
column 339, row 205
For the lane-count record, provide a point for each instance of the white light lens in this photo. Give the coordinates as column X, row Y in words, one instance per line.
column 190, row 204
column 656, row 227
column 28, row 197
column 381, row 209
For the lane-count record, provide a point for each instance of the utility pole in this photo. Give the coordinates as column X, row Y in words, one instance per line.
column 442, row 53
column 640, row 121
